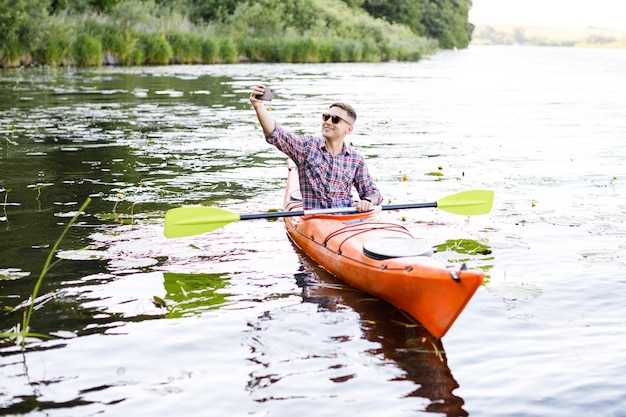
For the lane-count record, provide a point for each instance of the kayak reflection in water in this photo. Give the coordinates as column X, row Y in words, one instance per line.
column 327, row 166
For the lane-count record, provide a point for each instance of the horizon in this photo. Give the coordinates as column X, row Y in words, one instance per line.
column 558, row 14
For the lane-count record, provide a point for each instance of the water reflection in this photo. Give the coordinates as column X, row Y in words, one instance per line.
column 391, row 336
column 187, row 294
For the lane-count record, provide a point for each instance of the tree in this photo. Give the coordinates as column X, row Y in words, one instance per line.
column 444, row 20
column 211, row 10
column 22, row 25
column 406, row 12
column 81, row 6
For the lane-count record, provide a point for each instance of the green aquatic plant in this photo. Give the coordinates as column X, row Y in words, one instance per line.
column 465, row 246
column 4, row 205
column 11, row 131
column 120, row 197
column 467, row 250
column 21, row 332
column 38, row 187
column 6, row 196
column 119, row 216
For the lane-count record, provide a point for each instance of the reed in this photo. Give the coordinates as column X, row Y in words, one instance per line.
column 55, row 48
column 118, row 44
column 87, row 51
column 227, row 50
column 22, row 332
column 6, row 198
column 210, row 50
column 155, row 48
column 187, row 48
column 339, row 52
column 308, row 49
column 370, row 52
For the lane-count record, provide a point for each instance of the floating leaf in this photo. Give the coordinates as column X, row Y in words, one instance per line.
column 13, row 273
column 82, row 255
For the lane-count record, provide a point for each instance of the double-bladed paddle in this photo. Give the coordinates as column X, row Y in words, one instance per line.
column 195, row 220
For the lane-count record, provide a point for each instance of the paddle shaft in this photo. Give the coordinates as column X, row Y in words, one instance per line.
column 278, row 214
column 188, row 221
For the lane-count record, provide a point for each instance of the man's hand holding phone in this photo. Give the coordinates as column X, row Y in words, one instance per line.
column 267, row 94
column 259, row 94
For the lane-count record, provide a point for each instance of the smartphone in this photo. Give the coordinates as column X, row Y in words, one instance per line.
column 268, row 94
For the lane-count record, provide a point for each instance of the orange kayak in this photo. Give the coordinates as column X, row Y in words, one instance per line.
column 383, row 259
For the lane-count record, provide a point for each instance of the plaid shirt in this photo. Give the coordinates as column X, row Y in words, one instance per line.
column 325, row 180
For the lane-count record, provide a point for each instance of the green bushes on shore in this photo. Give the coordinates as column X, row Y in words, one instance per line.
column 138, row 32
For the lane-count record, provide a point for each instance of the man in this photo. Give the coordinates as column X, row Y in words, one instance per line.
column 327, row 166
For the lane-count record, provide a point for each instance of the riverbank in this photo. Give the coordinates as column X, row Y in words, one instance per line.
column 132, row 34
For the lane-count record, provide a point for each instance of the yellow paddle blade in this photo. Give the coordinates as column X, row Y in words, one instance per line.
column 467, row 203
column 195, row 220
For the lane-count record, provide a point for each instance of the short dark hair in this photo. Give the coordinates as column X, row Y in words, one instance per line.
column 346, row 107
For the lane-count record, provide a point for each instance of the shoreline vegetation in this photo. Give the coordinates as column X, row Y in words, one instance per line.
column 590, row 37
column 85, row 33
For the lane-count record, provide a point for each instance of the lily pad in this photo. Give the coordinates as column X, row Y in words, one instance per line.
column 82, row 255
column 123, row 264
column 13, row 273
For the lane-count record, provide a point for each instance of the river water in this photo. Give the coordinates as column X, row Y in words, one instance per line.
column 239, row 322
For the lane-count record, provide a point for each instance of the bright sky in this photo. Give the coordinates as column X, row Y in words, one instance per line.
column 553, row 13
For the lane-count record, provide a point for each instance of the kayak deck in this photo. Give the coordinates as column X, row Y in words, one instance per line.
column 382, row 258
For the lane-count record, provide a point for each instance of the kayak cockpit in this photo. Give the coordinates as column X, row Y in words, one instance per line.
column 383, row 248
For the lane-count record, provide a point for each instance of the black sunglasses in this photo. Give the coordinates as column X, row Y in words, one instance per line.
column 333, row 118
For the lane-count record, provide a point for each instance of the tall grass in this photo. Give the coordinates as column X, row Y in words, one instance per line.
column 156, row 48
column 87, row 51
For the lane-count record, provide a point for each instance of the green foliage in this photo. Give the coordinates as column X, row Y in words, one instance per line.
column 211, row 10
column 23, row 24
column 447, row 21
column 104, row 5
column 55, row 48
column 121, row 45
column 210, row 51
column 186, row 47
column 354, row 3
column 227, row 50
column 444, row 20
column 87, row 51
column 406, row 12
column 157, row 32
column 318, row 31
column 134, row 14
column 82, row 6
column 156, row 49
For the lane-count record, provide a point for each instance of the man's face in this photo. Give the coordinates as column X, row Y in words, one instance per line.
column 338, row 130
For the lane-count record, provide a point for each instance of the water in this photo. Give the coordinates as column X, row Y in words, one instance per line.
column 250, row 326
